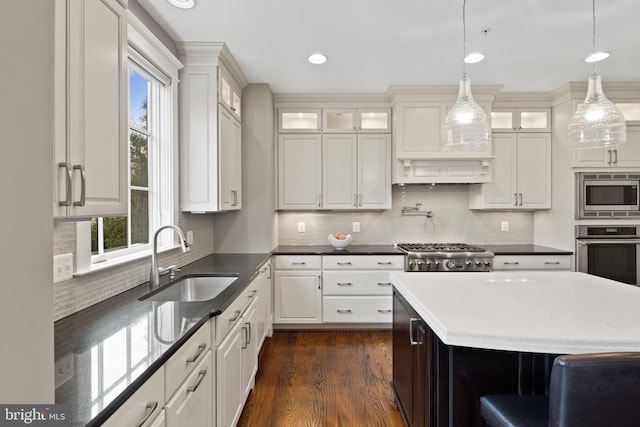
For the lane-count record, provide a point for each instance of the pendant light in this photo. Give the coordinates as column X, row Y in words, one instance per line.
column 597, row 122
column 466, row 127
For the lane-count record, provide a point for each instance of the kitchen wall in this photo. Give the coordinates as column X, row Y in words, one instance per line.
column 73, row 295
column 452, row 221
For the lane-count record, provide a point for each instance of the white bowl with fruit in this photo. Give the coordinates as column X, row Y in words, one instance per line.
column 339, row 240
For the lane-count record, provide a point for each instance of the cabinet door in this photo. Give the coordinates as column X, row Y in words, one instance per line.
column 593, row 158
column 300, row 120
column 403, row 356
column 250, row 347
column 191, row 404
column 230, row 141
column 339, row 163
column 143, row 406
column 299, row 172
column 534, row 171
column 374, row 171
column 521, row 120
column 417, row 129
column 339, row 120
column 229, row 386
column 229, row 94
column 298, row 297
column 263, row 308
column 374, row 120
column 97, row 107
column 501, row 192
column 627, row 155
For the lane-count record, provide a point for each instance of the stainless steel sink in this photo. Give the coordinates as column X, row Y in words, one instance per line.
column 193, row 288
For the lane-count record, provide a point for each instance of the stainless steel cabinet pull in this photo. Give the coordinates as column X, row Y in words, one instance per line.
column 82, row 185
column 552, row 262
column 318, row 280
column 319, row 200
column 249, row 332
column 245, row 344
column 511, row 263
column 67, row 179
column 413, row 342
column 610, row 157
column 515, row 199
column 384, row 283
column 201, row 375
column 345, row 284
column 388, row 310
column 348, row 310
column 299, row 263
column 237, row 314
column 151, row 406
column 355, row 200
column 520, row 194
column 615, row 158
column 253, row 293
column 385, row 263
column 193, row 358
column 344, row 263
column 234, row 193
column 359, row 200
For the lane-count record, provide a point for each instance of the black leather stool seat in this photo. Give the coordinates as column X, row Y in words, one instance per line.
column 515, row 411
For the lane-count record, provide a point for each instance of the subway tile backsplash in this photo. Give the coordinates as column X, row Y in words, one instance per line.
column 78, row 293
column 452, row 221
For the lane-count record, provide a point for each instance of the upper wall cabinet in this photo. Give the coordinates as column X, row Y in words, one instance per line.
column 521, row 120
column 90, row 152
column 211, row 86
column 353, row 120
column 299, row 172
column 299, row 120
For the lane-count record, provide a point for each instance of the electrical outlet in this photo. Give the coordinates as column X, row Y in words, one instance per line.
column 301, row 227
column 62, row 267
column 355, row 226
column 64, row 369
column 190, row 237
column 504, row 226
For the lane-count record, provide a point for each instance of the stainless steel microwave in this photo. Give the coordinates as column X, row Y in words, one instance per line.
column 607, row 195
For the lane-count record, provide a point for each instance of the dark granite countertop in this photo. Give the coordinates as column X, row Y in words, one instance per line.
column 524, row 250
column 330, row 250
column 114, row 346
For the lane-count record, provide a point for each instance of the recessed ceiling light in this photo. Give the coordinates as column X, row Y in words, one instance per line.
column 317, row 58
column 183, row 4
column 473, row 58
column 597, row 57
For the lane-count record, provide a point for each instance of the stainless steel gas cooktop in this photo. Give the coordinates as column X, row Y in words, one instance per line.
column 445, row 257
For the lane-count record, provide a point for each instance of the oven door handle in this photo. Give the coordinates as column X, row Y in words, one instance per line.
column 585, row 242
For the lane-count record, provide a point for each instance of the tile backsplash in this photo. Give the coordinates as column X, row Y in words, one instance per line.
column 452, row 221
column 78, row 293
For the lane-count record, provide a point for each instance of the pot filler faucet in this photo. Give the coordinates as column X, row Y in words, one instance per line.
column 154, row 276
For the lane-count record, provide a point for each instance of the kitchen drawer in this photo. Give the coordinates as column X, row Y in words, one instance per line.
column 356, row 283
column 149, row 398
column 357, row 309
column 229, row 317
column 532, row 262
column 189, row 355
column 298, row 262
column 365, row 262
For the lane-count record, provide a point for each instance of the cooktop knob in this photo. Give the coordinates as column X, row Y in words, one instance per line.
column 451, row 264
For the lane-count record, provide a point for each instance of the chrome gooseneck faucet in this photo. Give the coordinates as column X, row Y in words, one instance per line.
column 154, row 276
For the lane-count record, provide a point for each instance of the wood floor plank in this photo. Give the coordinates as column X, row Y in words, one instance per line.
column 323, row 379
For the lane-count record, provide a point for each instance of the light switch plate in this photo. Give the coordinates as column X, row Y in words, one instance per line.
column 62, row 267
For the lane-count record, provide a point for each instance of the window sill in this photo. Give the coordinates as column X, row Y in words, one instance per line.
column 121, row 260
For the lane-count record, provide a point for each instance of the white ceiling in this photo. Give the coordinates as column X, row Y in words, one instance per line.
column 531, row 45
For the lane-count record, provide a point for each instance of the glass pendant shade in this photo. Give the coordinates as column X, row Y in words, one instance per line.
column 598, row 122
column 466, row 127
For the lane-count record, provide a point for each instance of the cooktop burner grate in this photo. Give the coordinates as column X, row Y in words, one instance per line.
column 438, row 247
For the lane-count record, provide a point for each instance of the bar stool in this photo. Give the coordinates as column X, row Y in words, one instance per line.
column 586, row 390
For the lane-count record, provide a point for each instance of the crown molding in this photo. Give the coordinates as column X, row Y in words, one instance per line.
column 211, row 53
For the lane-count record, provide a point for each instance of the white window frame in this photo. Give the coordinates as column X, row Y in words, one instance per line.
column 150, row 57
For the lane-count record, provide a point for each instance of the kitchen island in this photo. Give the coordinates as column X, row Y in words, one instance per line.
column 459, row 336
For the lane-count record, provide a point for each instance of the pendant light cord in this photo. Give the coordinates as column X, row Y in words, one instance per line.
column 593, row 43
column 464, row 38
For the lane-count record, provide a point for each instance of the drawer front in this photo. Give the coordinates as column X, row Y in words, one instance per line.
column 365, row 309
column 356, row 283
column 366, row 262
column 186, row 358
column 532, row 262
column 146, row 403
column 229, row 317
column 298, row 262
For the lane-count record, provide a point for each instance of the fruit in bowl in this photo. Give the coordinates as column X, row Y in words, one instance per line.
column 339, row 240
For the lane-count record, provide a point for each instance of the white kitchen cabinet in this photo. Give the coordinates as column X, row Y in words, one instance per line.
column 299, row 171
column 299, row 120
column 521, row 174
column 144, row 407
column 264, row 312
column 352, row 120
column 531, row 119
column 250, row 353
column 356, row 288
column 298, row 289
column 532, row 262
column 90, row 124
column 626, row 155
column 210, row 128
column 183, row 361
column 191, row 405
column 356, row 171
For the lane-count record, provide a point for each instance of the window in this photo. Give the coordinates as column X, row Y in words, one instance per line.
column 152, row 115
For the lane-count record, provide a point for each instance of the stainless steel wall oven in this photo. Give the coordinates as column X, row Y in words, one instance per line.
column 609, row 251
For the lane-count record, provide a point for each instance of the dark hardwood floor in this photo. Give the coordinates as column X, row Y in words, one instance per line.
column 323, row 378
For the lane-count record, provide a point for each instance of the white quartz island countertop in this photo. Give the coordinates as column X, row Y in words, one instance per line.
column 540, row 312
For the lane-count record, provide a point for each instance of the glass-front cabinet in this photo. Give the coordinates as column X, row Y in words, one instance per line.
column 521, row 120
column 356, row 120
column 299, row 120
